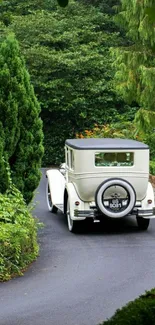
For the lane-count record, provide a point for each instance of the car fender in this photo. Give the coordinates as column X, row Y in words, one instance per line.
column 149, row 196
column 73, row 197
column 57, row 186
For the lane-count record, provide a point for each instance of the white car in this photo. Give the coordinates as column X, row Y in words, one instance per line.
column 102, row 178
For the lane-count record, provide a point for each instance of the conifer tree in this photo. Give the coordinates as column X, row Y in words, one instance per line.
column 19, row 117
column 4, row 180
column 135, row 64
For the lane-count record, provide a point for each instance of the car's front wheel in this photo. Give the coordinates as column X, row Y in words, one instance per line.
column 143, row 223
column 52, row 208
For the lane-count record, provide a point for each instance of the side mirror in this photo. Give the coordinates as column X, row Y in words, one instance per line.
column 62, row 168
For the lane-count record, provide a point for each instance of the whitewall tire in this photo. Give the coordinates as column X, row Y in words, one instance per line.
column 115, row 185
column 52, row 208
column 72, row 224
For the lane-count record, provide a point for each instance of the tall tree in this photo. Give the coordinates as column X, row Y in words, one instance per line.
column 67, row 54
column 4, row 179
column 135, row 64
column 20, row 121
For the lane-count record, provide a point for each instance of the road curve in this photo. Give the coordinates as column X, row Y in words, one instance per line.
column 79, row 279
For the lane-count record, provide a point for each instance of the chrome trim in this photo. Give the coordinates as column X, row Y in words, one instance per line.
column 145, row 212
column 84, row 213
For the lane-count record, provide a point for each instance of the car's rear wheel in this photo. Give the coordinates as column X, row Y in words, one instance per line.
column 72, row 224
column 143, row 224
column 115, row 198
column 52, row 208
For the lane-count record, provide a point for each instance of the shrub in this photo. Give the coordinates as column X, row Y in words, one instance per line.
column 121, row 129
column 20, row 125
column 150, row 140
column 138, row 312
column 152, row 167
column 18, row 234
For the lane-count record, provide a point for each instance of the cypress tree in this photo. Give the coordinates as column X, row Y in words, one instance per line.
column 4, row 180
column 135, row 64
column 19, row 116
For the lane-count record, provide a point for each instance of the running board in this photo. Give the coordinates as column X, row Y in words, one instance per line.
column 60, row 207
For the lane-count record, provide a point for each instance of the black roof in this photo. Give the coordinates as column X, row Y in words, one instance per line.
column 105, row 143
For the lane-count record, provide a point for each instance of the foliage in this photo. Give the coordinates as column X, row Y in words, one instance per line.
column 122, row 129
column 9, row 9
column 138, row 312
column 106, row 6
column 67, row 54
column 20, row 124
column 135, row 64
column 18, row 234
column 152, row 168
column 4, row 182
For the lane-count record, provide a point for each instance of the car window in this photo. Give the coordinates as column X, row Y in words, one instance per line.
column 72, row 159
column 114, row 159
column 67, row 157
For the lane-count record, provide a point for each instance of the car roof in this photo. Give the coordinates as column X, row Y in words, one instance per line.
column 105, row 143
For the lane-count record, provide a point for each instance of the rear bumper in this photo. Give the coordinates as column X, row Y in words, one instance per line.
column 94, row 213
column 147, row 214
column 84, row 213
column 143, row 213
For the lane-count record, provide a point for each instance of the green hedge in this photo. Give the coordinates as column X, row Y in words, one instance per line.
column 152, row 167
column 138, row 312
column 18, row 235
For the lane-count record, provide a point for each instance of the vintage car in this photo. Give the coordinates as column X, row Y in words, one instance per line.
column 102, row 178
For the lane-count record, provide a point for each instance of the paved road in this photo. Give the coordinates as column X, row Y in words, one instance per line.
column 79, row 279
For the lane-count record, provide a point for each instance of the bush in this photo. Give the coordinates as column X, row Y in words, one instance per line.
column 152, row 167
column 18, row 234
column 122, row 129
column 150, row 139
column 21, row 133
column 138, row 312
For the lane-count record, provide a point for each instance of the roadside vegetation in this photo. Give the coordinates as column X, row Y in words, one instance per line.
column 137, row 312
column 20, row 124
column 21, row 150
column 18, row 234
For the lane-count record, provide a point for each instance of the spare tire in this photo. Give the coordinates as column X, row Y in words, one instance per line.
column 115, row 198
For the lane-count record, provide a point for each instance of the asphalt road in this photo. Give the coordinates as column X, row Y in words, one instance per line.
column 80, row 279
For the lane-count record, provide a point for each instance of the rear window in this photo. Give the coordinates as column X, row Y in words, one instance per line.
column 114, row 159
